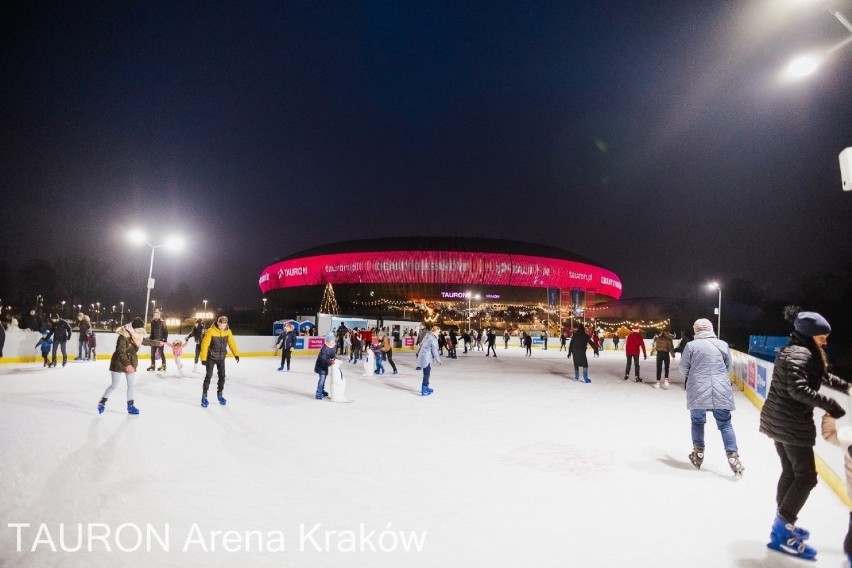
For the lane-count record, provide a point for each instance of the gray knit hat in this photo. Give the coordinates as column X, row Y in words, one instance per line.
column 702, row 324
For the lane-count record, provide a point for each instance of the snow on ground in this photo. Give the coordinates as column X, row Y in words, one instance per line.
column 509, row 463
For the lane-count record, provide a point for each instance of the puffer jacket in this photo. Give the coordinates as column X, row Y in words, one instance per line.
column 158, row 330
column 788, row 413
column 126, row 351
column 664, row 343
column 706, row 362
column 214, row 346
column 428, row 351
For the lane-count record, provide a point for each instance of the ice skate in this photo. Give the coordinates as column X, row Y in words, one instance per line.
column 131, row 409
column 735, row 463
column 657, row 385
column 666, row 384
column 626, row 377
column 638, row 379
column 101, row 407
column 280, row 368
column 425, row 391
column 151, row 368
column 785, row 538
column 221, row 399
column 204, row 402
column 697, row 457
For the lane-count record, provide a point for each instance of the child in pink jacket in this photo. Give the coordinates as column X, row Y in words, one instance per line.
column 177, row 350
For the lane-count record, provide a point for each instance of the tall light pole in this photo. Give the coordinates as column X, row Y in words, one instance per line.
column 264, row 305
column 470, row 297
column 804, row 65
column 172, row 243
column 205, row 308
column 715, row 286
column 121, row 318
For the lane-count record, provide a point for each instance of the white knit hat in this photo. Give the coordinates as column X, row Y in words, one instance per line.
column 702, row 324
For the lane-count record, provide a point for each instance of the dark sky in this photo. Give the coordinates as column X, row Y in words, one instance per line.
column 656, row 138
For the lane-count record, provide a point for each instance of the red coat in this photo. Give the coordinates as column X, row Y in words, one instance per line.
column 634, row 343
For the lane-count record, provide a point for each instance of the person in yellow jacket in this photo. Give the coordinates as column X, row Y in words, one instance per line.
column 214, row 349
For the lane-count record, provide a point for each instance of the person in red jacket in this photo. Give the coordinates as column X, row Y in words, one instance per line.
column 632, row 345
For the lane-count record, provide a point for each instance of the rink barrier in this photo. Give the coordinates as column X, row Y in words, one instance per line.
column 20, row 347
column 753, row 376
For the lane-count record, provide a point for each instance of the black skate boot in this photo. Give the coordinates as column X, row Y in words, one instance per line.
column 735, row 463
column 697, row 457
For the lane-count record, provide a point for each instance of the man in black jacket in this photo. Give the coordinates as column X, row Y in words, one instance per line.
column 61, row 333
column 287, row 340
column 158, row 333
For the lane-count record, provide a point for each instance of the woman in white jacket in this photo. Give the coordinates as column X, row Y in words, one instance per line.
column 426, row 354
column 705, row 364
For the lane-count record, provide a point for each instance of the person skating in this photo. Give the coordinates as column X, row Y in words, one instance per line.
column 663, row 346
column 83, row 324
column 45, row 343
column 386, row 346
column 787, row 417
column 287, row 340
column 426, row 355
column 326, row 357
column 490, row 340
column 160, row 334
column 196, row 333
column 632, row 346
column 527, row 344
column 577, row 349
column 125, row 361
column 707, row 362
column 842, row 437
column 60, row 332
column 214, row 349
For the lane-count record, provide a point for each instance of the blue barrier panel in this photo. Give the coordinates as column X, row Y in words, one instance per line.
column 766, row 347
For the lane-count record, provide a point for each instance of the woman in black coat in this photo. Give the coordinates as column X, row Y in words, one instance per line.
column 577, row 349
column 787, row 417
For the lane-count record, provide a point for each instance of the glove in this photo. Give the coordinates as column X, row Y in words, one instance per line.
column 237, row 358
column 129, row 369
column 835, row 410
column 204, row 363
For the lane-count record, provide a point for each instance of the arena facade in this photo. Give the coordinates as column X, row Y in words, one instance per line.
column 437, row 278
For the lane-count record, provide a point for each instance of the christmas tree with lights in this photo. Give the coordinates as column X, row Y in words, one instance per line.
column 328, row 305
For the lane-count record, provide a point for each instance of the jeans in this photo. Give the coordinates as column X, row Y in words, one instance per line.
column 577, row 372
column 220, row 367
column 321, row 384
column 663, row 359
column 630, row 359
column 427, row 370
column 83, row 348
column 59, row 345
column 798, row 477
column 723, row 422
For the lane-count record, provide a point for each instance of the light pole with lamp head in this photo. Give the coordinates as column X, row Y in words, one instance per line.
column 121, row 316
column 470, row 297
column 174, row 243
column 715, row 286
column 205, row 308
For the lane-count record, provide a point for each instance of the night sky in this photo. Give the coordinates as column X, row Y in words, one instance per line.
column 657, row 138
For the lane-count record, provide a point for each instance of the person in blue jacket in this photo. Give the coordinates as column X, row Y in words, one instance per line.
column 325, row 358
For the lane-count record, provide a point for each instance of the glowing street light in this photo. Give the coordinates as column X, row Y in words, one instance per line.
column 805, row 65
column 174, row 243
column 715, row 286
column 121, row 317
column 205, row 308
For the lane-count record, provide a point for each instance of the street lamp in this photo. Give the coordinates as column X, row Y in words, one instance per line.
column 63, row 308
column 121, row 317
column 264, row 305
column 470, row 297
column 173, row 243
column 715, row 286
column 804, row 65
column 205, row 308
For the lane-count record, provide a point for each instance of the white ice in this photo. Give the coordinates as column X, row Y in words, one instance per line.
column 509, row 463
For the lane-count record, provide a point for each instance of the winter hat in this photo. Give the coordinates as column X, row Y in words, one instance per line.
column 811, row 323
column 702, row 324
column 636, row 328
column 330, row 338
column 137, row 323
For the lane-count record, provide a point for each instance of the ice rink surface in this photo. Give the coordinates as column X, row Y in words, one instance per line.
column 509, row 463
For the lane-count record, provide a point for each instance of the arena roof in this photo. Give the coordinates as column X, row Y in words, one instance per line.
column 440, row 261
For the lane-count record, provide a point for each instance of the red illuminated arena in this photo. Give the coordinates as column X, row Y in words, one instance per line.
column 379, row 274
